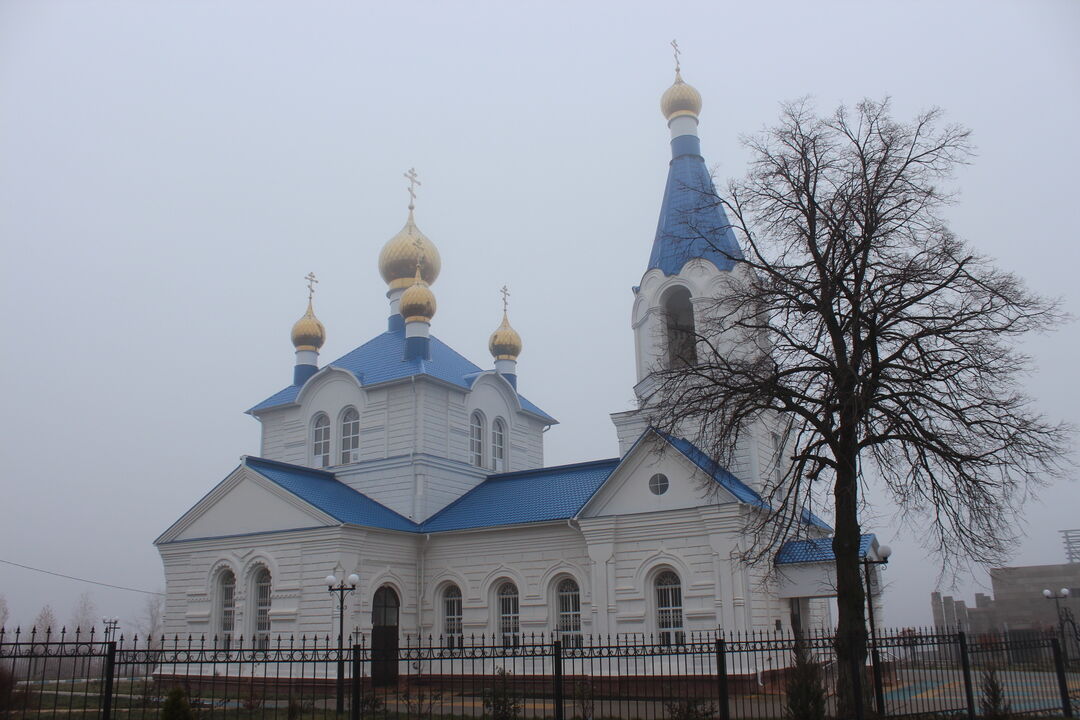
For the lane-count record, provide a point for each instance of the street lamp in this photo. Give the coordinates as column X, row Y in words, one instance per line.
column 342, row 589
column 883, row 552
column 1057, row 597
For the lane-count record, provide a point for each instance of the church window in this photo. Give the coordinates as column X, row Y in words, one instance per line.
column 669, row 614
column 476, row 439
column 568, row 601
column 452, row 630
column 350, row 436
column 262, row 608
column 680, row 333
column 509, row 615
column 658, row 484
column 778, row 470
column 320, row 441
column 498, row 445
column 226, row 607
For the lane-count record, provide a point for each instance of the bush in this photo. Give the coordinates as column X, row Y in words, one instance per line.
column 805, row 689
column 690, row 710
column 176, row 706
column 501, row 700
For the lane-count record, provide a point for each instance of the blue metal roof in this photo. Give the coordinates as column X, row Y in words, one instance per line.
column 692, row 223
column 729, row 482
column 333, row 497
column 816, row 550
column 553, row 493
column 382, row 359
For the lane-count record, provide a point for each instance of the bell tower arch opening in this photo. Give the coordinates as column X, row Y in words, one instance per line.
column 680, row 334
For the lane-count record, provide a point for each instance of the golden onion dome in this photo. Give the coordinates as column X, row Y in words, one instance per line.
column 308, row 333
column 505, row 343
column 680, row 99
column 418, row 302
column 397, row 261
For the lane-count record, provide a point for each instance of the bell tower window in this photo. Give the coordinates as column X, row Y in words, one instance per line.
column 320, row 441
column 350, row 436
column 476, row 440
column 680, row 335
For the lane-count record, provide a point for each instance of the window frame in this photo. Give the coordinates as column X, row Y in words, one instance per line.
column 225, row 606
column 262, row 585
column 670, row 617
column 508, row 617
column 320, row 435
column 568, row 612
column 453, row 616
column 349, row 441
column 498, row 445
column 477, row 431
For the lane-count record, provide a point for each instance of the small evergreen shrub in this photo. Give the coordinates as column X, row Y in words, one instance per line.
column 805, row 689
column 501, row 700
column 176, row 706
column 992, row 704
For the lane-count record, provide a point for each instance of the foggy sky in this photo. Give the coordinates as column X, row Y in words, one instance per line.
column 169, row 172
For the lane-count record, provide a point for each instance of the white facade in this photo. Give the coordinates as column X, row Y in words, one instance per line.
column 406, row 443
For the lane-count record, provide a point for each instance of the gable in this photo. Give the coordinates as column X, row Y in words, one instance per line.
column 245, row 503
column 627, row 491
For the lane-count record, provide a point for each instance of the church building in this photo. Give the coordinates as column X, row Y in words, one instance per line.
column 422, row 474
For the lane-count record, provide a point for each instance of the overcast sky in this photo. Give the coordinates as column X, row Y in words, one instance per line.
column 169, row 172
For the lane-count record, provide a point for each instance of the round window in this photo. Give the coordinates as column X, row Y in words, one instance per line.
column 658, row 484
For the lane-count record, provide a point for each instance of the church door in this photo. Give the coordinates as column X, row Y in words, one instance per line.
column 384, row 637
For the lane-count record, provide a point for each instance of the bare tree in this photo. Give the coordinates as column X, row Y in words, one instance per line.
column 84, row 616
column 152, row 619
column 3, row 612
column 882, row 345
column 45, row 620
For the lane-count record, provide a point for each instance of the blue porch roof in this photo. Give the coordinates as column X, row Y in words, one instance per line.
column 816, row 550
column 382, row 359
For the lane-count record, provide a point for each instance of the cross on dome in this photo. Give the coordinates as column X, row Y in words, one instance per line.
column 414, row 181
column 506, row 296
column 675, row 48
column 311, row 281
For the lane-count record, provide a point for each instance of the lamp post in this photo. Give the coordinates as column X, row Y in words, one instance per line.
column 342, row 588
column 1057, row 597
column 884, row 551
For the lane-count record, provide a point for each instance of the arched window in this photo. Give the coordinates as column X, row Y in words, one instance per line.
column 669, row 616
column 350, row 436
column 226, row 607
column 509, row 616
column 568, row 602
column 320, row 441
column 498, row 445
column 476, row 440
column 679, row 330
column 452, row 632
column 262, row 609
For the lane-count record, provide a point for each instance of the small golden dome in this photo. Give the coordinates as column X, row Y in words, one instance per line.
column 308, row 333
column 505, row 343
column 397, row 261
column 680, row 99
column 418, row 302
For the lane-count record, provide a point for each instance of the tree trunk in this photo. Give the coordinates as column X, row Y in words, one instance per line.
column 851, row 625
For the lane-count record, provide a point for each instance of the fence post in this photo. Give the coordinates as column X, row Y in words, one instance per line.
column 110, row 669
column 965, row 665
column 556, row 648
column 1063, row 685
column 721, row 678
column 355, row 708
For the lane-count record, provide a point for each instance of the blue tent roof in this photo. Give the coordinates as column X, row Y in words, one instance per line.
column 816, row 550
column 333, row 497
column 553, row 493
column 692, row 223
column 382, row 359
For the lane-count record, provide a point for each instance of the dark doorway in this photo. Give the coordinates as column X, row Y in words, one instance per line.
column 384, row 637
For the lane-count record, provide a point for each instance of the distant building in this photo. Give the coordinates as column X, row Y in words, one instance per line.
column 1017, row 603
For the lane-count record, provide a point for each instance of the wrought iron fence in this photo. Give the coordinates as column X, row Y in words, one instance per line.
column 708, row 675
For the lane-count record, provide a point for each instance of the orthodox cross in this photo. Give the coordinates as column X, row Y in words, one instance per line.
column 506, row 296
column 419, row 245
column 675, row 47
column 413, row 182
column 310, row 277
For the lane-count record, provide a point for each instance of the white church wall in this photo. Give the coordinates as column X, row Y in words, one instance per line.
column 373, row 421
column 284, row 436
